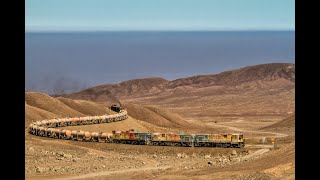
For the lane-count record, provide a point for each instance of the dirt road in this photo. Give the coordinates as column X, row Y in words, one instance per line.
column 105, row 173
column 237, row 129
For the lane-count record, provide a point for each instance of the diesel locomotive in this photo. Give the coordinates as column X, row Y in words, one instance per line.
column 176, row 139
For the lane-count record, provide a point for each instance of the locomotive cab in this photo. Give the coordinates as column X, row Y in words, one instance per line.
column 237, row 140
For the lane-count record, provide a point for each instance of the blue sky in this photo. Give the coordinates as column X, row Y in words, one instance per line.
column 126, row 15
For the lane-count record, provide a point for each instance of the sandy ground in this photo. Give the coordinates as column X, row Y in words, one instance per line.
column 62, row 159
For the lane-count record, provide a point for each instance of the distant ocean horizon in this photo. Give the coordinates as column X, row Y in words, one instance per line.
column 62, row 62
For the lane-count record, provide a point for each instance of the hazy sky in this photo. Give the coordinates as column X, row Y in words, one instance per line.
column 73, row 61
column 83, row 15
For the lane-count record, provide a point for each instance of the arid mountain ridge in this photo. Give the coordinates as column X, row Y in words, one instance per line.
column 278, row 75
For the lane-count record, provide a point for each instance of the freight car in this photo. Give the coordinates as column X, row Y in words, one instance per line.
column 46, row 128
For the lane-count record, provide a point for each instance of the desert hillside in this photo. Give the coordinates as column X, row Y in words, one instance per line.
column 266, row 89
column 124, row 89
column 287, row 123
column 158, row 116
column 264, row 73
column 41, row 106
column 256, row 101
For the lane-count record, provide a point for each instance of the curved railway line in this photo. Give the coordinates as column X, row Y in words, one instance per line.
column 51, row 128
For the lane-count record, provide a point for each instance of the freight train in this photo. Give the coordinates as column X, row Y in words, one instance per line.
column 46, row 128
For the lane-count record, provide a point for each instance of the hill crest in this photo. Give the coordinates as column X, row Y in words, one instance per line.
column 262, row 73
